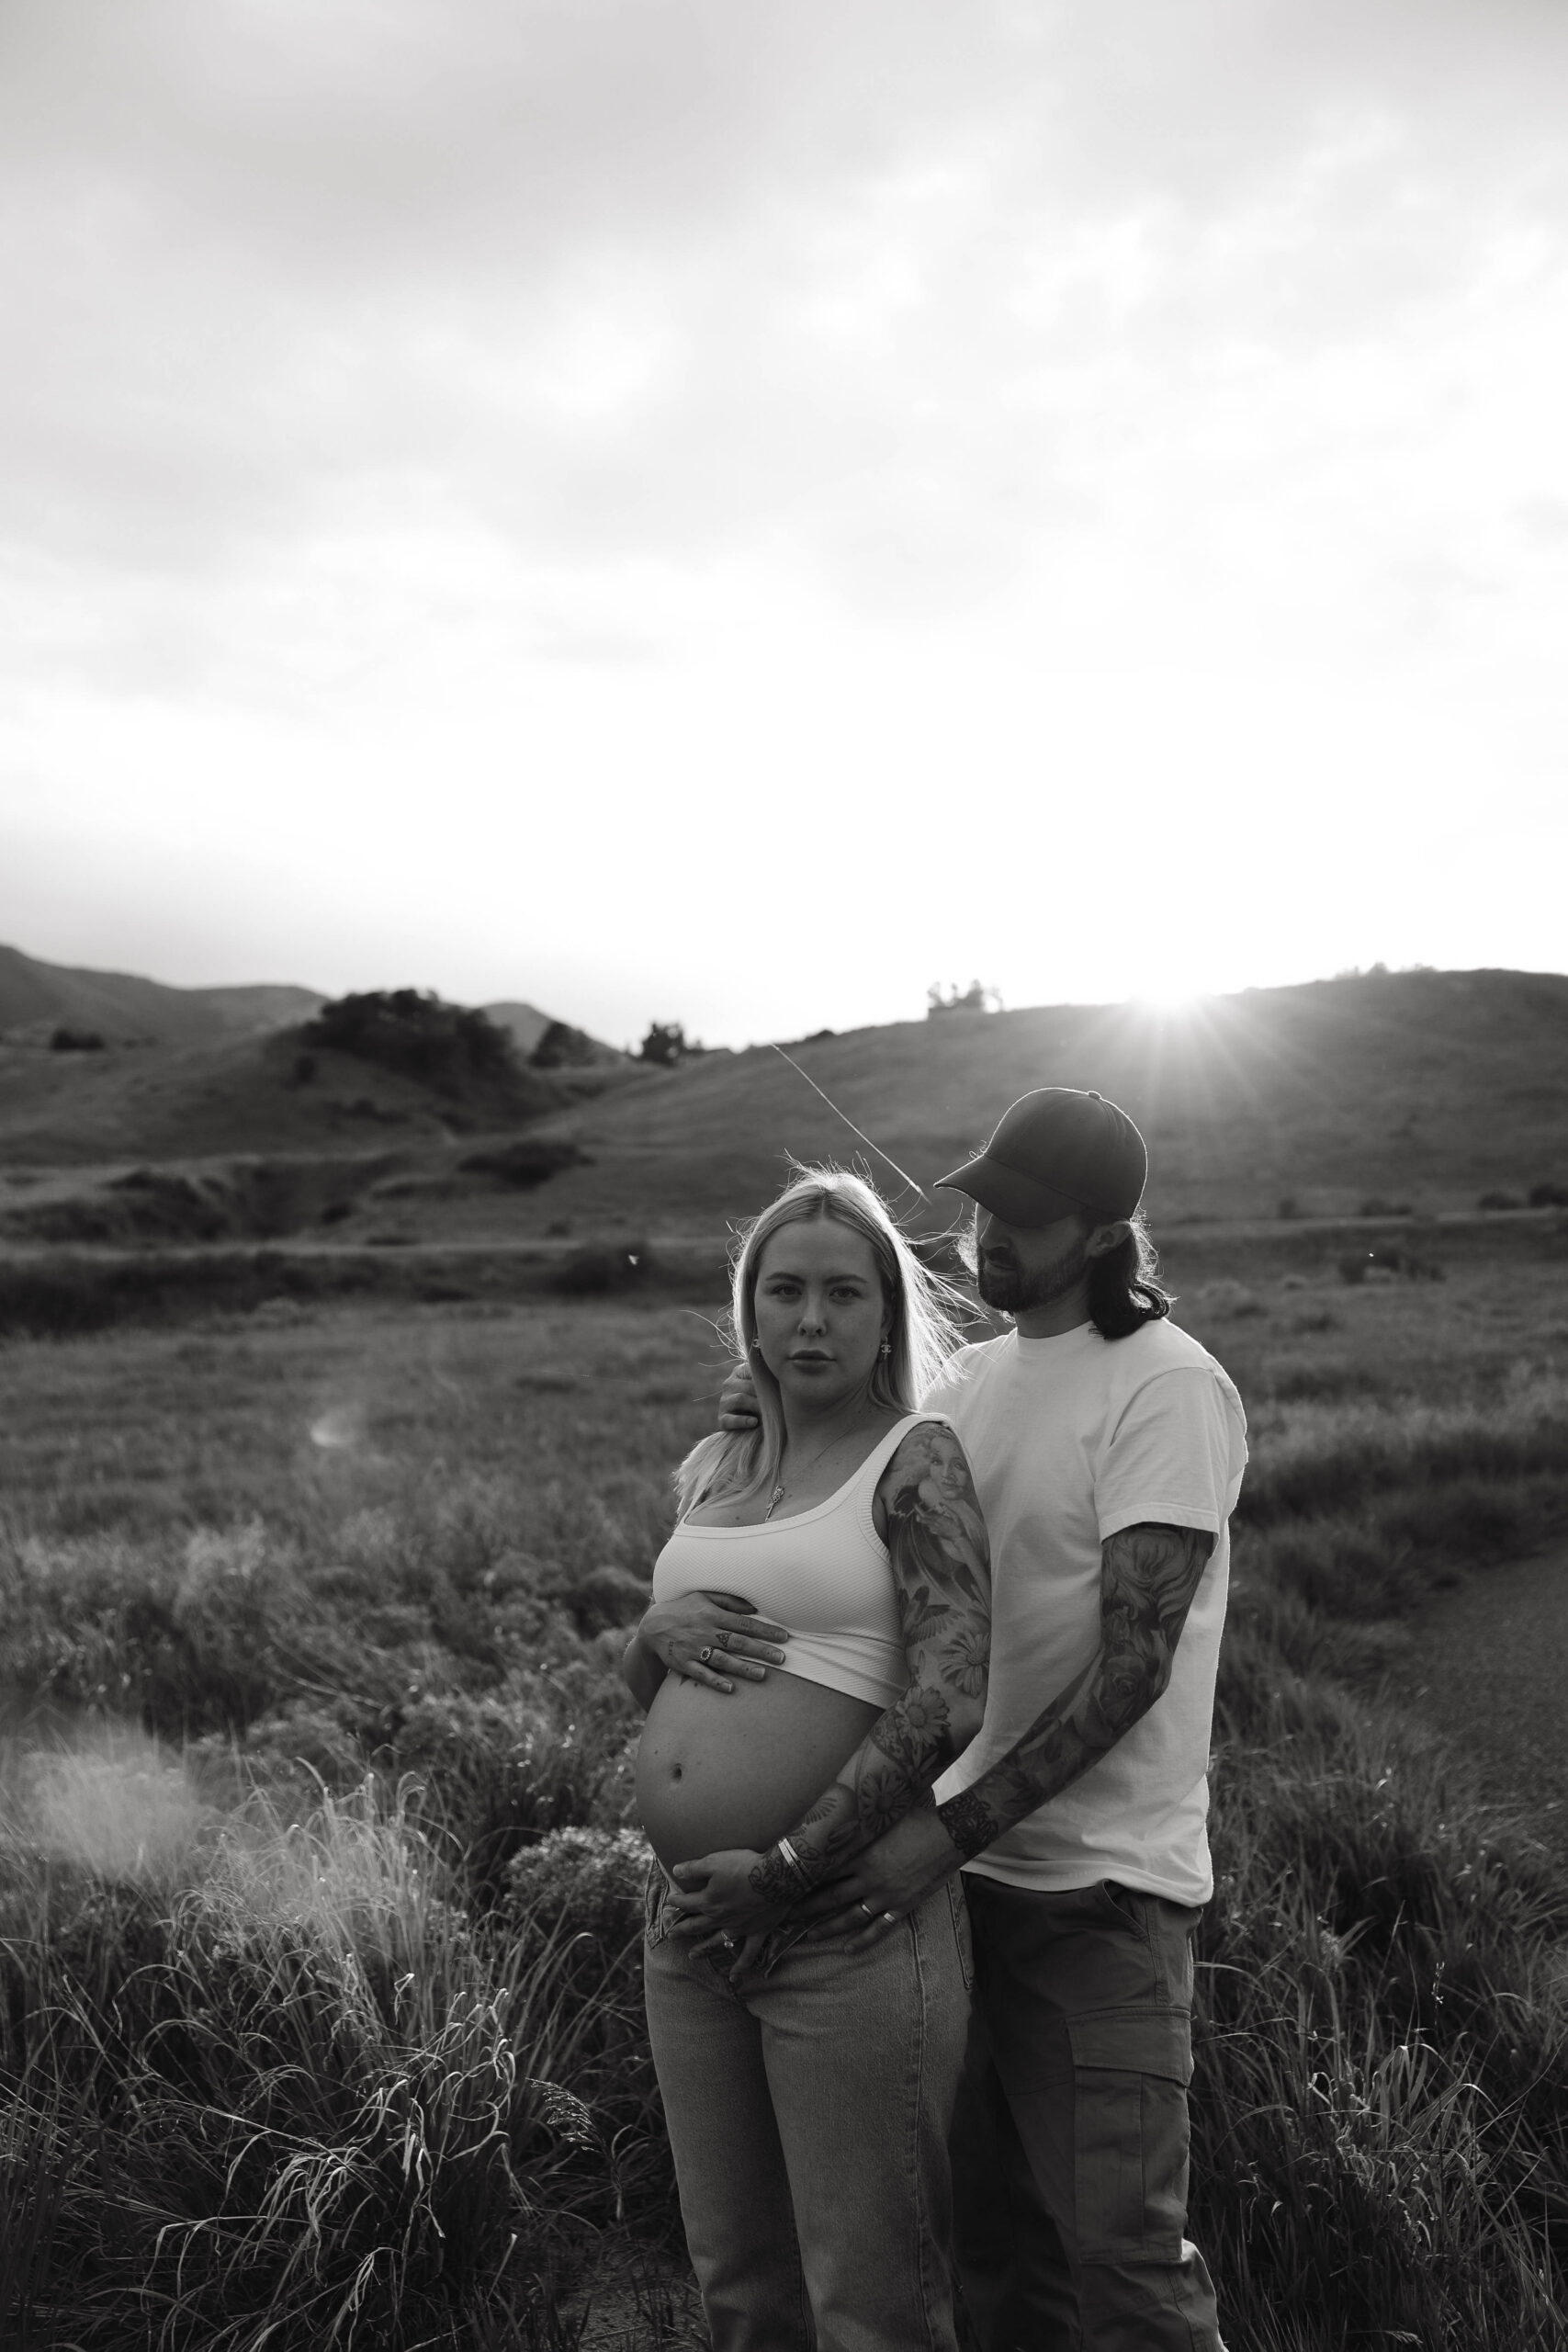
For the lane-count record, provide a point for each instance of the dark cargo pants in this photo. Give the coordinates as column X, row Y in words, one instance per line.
column 1070, row 2142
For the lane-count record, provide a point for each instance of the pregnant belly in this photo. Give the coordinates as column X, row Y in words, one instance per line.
column 737, row 1769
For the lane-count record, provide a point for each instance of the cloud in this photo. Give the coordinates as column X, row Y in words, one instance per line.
column 721, row 401
column 662, row 278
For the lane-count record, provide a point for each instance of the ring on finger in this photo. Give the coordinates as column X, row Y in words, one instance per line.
column 704, row 1655
column 867, row 1909
column 890, row 1918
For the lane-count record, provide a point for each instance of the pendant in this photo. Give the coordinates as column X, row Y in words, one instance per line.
column 777, row 1498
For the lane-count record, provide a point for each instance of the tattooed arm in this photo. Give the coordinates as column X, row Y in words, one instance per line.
column 926, row 1511
column 1147, row 1577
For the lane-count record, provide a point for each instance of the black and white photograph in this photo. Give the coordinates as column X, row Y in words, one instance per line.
column 784, row 1176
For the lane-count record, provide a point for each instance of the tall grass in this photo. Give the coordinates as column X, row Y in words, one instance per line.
column 287, row 2091
column 319, row 1911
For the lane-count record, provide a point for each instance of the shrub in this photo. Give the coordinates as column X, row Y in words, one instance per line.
column 75, row 1041
column 1549, row 1197
column 1383, row 1265
column 562, row 1047
column 321, row 2110
column 1230, row 1300
column 531, row 1161
column 602, row 1269
column 1500, row 1201
column 415, row 1035
column 665, row 1044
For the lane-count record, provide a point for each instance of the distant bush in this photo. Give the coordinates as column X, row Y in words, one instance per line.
column 665, row 1044
column 75, row 1041
column 976, row 998
column 1549, row 1197
column 1291, row 1207
column 1229, row 1299
column 562, row 1047
column 1499, row 1201
column 602, row 1269
column 529, row 1161
column 1378, row 1206
column 1385, row 1265
column 415, row 1035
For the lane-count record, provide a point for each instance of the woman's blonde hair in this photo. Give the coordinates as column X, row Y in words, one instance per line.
column 926, row 1316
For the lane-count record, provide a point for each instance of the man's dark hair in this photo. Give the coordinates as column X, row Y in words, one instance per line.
column 1123, row 1292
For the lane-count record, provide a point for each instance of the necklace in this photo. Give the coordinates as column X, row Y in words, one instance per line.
column 779, row 1491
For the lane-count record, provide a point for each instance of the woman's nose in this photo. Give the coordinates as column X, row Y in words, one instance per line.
column 813, row 1315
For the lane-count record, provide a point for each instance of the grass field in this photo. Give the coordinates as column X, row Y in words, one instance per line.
column 319, row 1902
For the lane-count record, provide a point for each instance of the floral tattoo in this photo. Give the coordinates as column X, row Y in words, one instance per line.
column 936, row 1543
column 1147, row 1577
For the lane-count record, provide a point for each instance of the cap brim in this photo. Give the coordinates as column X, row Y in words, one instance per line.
column 1017, row 1199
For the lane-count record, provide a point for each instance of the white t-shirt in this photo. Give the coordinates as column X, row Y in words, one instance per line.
column 1071, row 1439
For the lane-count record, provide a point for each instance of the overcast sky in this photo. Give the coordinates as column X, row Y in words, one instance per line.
column 734, row 510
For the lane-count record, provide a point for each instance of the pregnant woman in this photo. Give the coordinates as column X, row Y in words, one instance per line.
column 814, row 1657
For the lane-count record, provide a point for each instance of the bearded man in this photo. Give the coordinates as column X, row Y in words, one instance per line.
column 1107, row 1449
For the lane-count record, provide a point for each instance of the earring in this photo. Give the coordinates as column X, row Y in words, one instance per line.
column 886, row 1350
column 755, row 1348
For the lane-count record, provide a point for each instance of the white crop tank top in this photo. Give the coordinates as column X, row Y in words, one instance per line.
column 824, row 1573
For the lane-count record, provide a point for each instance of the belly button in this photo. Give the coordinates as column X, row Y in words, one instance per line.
column 675, row 1772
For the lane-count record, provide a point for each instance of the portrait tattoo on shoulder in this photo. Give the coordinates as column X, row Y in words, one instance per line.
column 1148, row 1575
column 941, row 1567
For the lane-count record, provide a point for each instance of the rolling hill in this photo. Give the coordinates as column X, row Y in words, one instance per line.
column 164, row 1073
column 124, row 1009
column 1419, row 1090
column 267, row 1094
column 1423, row 1088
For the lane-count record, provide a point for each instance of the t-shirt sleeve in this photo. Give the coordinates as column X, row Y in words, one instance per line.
column 1175, row 1456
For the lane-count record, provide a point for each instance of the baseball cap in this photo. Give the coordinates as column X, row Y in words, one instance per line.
column 1055, row 1153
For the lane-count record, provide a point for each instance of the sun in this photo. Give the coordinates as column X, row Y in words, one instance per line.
column 1167, row 997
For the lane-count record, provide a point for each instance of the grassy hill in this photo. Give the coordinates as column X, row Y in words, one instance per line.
column 272, row 1093
column 1424, row 1090
column 1418, row 1088
column 122, row 1009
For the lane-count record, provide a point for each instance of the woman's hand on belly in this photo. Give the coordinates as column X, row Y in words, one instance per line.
column 721, row 1909
column 686, row 1633
column 719, row 1895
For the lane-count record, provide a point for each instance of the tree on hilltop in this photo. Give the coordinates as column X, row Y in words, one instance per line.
column 976, row 998
column 414, row 1034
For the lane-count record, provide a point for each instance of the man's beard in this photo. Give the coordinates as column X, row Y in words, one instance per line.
column 1004, row 1284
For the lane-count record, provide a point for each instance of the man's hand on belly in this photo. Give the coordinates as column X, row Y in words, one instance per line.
column 894, row 1876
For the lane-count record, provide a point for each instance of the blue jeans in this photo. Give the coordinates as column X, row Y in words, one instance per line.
column 1070, row 2144
column 808, row 2111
